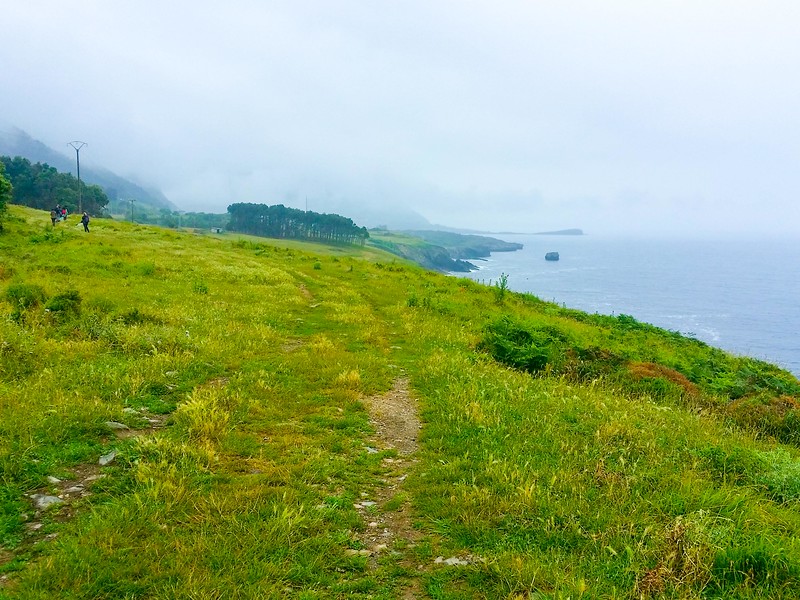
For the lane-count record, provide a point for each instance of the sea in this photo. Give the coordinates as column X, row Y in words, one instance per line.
column 740, row 295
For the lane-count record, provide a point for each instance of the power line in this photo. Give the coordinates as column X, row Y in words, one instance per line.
column 78, row 145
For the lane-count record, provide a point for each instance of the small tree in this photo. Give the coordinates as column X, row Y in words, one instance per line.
column 501, row 287
column 6, row 192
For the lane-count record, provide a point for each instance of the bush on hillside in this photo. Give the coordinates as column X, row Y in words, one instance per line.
column 64, row 305
column 23, row 297
column 760, row 397
column 778, row 416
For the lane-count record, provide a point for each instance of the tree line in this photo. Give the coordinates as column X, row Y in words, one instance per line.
column 278, row 221
column 38, row 185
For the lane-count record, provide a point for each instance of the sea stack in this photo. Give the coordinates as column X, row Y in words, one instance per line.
column 551, row 256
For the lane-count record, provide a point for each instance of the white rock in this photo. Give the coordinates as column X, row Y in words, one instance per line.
column 107, row 459
column 453, row 561
column 117, row 426
column 42, row 501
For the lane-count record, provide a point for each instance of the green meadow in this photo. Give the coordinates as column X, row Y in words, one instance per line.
column 226, row 381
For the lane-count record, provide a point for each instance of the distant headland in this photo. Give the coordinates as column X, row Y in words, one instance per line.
column 561, row 232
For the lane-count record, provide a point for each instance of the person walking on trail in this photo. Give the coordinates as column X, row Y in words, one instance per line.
column 53, row 216
column 85, row 221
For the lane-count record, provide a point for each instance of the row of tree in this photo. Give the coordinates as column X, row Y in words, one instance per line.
column 278, row 221
column 39, row 185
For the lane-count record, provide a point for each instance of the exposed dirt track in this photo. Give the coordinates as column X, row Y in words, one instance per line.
column 388, row 516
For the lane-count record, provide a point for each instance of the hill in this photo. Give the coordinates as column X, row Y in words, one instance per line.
column 441, row 251
column 562, row 232
column 464, row 246
column 15, row 142
column 222, row 416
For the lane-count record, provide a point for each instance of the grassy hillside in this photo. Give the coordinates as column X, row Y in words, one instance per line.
column 419, row 251
column 254, row 404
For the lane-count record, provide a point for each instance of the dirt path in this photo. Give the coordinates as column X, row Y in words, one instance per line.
column 388, row 514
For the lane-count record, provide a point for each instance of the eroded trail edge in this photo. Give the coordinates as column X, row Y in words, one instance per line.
column 390, row 531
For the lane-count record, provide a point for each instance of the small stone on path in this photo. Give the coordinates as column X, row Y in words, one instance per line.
column 107, row 459
column 42, row 501
column 453, row 561
column 117, row 426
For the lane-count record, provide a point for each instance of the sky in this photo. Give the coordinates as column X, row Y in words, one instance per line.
column 622, row 116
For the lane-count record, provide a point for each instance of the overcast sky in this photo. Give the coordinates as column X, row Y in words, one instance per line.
column 613, row 115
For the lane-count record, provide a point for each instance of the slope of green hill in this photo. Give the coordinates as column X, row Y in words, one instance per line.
column 418, row 250
column 216, row 416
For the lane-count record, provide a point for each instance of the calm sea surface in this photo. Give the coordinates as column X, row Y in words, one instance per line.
column 739, row 295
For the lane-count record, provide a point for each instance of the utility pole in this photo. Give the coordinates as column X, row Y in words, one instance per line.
column 132, row 200
column 78, row 145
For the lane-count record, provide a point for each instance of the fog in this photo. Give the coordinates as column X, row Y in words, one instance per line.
column 615, row 116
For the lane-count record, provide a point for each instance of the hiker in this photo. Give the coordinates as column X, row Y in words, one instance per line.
column 85, row 221
column 53, row 216
column 63, row 213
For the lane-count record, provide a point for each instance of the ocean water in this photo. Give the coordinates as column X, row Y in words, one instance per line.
column 741, row 295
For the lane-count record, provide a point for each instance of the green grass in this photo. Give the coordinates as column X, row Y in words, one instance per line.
column 562, row 454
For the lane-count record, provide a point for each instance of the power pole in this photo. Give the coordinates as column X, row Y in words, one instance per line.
column 78, row 145
column 132, row 200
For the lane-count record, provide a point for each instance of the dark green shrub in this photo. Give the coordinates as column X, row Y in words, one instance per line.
column 775, row 416
column 64, row 305
column 25, row 295
column 137, row 317
column 527, row 348
column 736, row 465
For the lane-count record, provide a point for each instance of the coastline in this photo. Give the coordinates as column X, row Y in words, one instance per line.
column 735, row 294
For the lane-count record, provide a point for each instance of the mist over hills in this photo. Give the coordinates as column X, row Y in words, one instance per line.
column 16, row 142
column 385, row 215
